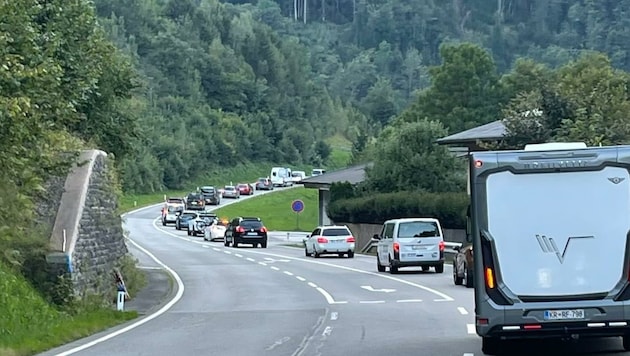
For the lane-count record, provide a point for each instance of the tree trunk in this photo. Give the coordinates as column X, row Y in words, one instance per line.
column 305, row 4
column 295, row 9
column 323, row 5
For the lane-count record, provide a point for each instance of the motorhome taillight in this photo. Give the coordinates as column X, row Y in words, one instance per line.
column 478, row 163
column 489, row 278
column 322, row 240
column 442, row 245
column 350, row 239
column 396, row 247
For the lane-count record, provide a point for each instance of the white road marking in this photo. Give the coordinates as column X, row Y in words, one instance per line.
column 300, row 278
column 251, row 259
column 469, row 354
column 205, row 246
column 312, row 284
column 371, row 289
column 288, row 273
column 261, row 263
column 164, row 309
column 371, row 302
column 334, row 316
column 149, row 267
column 443, row 300
column 227, row 252
column 409, row 301
column 216, row 249
column 462, row 310
column 471, row 328
column 327, row 331
column 328, row 297
column 275, row 268
column 238, row 255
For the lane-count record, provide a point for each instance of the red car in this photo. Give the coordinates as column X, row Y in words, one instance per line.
column 245, row 189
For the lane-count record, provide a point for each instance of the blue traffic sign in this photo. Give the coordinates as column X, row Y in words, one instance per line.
column 297, row 206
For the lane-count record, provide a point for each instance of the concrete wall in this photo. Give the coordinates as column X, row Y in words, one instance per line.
column 87, row 235
column 363, row 234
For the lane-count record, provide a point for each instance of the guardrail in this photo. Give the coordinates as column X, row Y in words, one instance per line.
column 449, row 247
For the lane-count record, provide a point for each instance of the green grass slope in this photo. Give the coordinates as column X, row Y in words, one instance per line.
column 29, row 325
column 275, row 209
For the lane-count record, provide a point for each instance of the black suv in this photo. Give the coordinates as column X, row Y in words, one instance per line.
column 211, row 196
column 246, row 230
column 195, row 201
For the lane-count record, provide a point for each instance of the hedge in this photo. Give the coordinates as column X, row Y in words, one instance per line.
column 449, row 208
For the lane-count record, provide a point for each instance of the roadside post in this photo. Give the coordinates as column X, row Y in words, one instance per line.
column 120, row 302
column 297, row 206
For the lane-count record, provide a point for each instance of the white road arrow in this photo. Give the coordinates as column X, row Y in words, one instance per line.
column 271, row 260
column 371, row 289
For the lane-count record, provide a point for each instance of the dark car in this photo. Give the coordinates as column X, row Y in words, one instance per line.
column 463, row 265
column 264, row 184
column 211, row 196
column 195, row 201
column 183, row 219
column 246, row 230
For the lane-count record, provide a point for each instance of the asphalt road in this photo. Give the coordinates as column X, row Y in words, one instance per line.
column 276, row 301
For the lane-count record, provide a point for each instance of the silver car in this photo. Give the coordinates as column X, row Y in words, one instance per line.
column 230, row 191
column 329, row 240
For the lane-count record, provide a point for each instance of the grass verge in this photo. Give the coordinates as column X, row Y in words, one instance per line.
column 30, row 325
column 275, row 209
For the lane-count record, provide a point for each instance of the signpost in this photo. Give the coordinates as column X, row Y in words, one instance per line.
column 297, row 206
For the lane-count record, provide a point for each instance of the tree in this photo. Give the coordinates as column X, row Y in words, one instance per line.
column 406, row 157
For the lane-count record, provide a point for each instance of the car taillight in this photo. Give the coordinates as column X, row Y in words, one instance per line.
column 442, row 245
column 396, row 247
column 350, row 239
column 322, row 240
column 263, row 229
column 240, row 229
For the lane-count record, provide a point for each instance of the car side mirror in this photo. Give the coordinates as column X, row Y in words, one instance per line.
column 456, row 248
column 376, row 237
column 307, row 236
column 178, row 213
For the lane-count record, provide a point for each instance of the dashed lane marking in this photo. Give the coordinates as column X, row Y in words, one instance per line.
column 462, row 310
column 471, row 328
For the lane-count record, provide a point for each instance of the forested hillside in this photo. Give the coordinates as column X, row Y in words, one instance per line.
column 267, row 80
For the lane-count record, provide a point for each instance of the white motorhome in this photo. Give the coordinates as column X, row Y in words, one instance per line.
column 281, row 177
column 550, row 231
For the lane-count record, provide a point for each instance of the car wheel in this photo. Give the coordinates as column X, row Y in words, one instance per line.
column 457, row 280
column 306, row 252
column 263, row 244
column 234, row 244
column 163, row 223
column 379, row 266
column 439, row 268
column 393, row 269
column 468, row 277
column 351, row 254
column 226, row 243
column 189, row 233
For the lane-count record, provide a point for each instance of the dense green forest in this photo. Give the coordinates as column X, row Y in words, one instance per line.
column 270, row 81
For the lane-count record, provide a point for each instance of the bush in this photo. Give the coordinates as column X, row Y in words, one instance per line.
column 449, row 208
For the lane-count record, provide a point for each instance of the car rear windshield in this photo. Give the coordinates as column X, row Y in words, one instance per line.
column 193, row 196
column 418, row 229
column 188, row 215
column 336, row 232
column 172, row 209
column 251, row 224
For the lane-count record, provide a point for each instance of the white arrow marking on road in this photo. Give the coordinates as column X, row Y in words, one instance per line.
column 371, row 289
column 271, row 260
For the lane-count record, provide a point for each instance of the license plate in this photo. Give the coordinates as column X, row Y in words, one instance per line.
column 418, row 247
column 564, row 314
column 252, row 234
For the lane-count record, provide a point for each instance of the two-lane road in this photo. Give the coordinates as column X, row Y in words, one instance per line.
column 276, row 301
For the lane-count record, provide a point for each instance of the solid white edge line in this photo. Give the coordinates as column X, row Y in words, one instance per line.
column 275, row 268
column 469, row 354
column 164, row 309
column 328, row 297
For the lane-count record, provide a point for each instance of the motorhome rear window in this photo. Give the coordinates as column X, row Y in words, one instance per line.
column 418, row 229
column 550, row 230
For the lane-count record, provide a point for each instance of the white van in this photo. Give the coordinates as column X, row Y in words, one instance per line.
column 281, row 177
column 317, row 172
column 410, row 242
